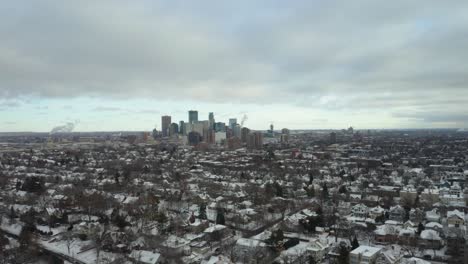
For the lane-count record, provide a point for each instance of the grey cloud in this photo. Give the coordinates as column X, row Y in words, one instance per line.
column 9, row 104
column 124, row 110
column 328, row 55
column 435, row 117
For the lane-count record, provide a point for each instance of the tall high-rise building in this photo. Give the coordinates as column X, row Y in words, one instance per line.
column 220, row 127
column 173, row 129
column 255, row 140
column 192, row 116
column 232, row 122
column 193, row 138
column 165, row 123
column 211, row 120
column 245, row 134
column 210, row 136
column 236, row 131
column 182, row 129
column 285, row 135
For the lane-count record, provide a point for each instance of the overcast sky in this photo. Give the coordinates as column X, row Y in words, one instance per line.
column 120, row 65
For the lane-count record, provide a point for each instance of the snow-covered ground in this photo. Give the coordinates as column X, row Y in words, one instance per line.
column 88, row 256
column 12, row 228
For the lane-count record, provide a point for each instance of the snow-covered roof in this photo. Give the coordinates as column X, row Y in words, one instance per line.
column 430, row 234
column 145, row 256
column 407, row 232
column 433, row 225
column 366, row 251
column 214, row 228
column 455, row 213
column 247, row 242
column 391, row 222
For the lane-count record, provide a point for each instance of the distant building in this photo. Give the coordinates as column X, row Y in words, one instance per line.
column 234, row 143
column 200, row 126
column 210, row 136
column 229, row 133
column 145, row 136
column 271, row 131
column 220, row 127
column 165, row 123
column 193, row 116
column 255, row 140
column 211, row 120
column 194, row 138
column 182, row 129
column 244, row 134
column 236, row 131
column 173, row 129
column 232, row 122
column 204, row 126
column 285, row 135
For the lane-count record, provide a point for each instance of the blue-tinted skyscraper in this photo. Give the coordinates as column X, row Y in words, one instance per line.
column 193, row 116
column 211, row 120
column 232, row 122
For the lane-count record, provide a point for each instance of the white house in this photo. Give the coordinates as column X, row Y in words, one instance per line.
column 364, row 255
column 360, row 210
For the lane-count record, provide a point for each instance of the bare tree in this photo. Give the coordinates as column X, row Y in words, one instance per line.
column 69, row 240
column 98, row 235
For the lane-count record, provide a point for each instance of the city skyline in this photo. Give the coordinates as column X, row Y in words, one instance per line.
column 286, row 132
column 116, row 65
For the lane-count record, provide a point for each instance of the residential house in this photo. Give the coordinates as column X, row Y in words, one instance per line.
column 455, row 218
column 364, row 255
column 386, row 234
column 344, row 208
column 360, row 210
column 248, row 250
column 375, row 212
column 397, row 213
column 434, row 226
column 318, row 249
column 388, row 257
column 433, row 216
column 407, row 236
column 430, row 239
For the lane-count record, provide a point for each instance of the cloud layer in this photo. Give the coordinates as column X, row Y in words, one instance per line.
column 403, row 58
